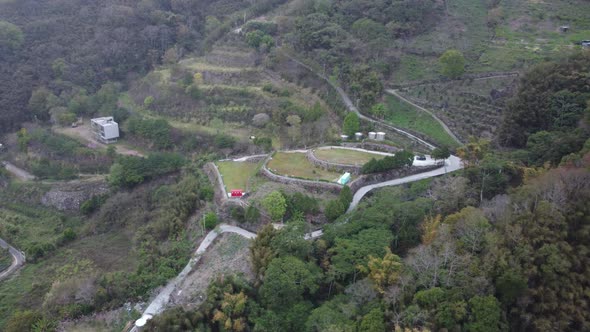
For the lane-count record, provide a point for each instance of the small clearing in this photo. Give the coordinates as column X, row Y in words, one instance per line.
column 345, row 156
column 296, row 165
column 84, row 134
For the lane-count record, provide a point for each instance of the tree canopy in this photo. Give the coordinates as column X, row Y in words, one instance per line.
column 452, row 64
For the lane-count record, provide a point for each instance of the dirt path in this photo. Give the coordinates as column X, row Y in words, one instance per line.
column 20, row 173
column 351, row 108
column 84, row 133
column 444, row 125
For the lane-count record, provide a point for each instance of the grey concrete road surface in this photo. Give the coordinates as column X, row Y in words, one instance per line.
column 451, row 164
column 161, row 300
column 18, row 259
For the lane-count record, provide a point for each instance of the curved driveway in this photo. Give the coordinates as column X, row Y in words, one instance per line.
column 18, row 259
column 451, row 164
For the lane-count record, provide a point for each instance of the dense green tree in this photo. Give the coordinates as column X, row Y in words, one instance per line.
column 11, row 36
column 399, row 160
column 365, row 85
column 351, row 124
column 485, row 315
column 315, row 31
column 348, row 253
column 330, row 316
column 299, row 202
column 334, row 209
column 286, row 281
column 452, row 64
column 210, row 220
column 441, row 153
column 379, row 110
column 373, row 321
column 276, row 205
column 551, row 96
column 290, row 241
column 544, row 146
column 345, row 196
column 261, row 251
column 368, row 30
column 40, row 103
column 540, row 249
column 22, row 321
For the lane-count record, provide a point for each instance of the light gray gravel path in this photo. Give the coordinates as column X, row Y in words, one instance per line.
column 19, row 172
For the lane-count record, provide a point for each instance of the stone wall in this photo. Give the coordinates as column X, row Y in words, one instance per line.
column 69, row 196
column 332, row 166
column 372, row 146
column 314, row 186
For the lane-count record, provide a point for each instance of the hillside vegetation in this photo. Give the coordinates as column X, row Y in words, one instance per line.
column 499, row 244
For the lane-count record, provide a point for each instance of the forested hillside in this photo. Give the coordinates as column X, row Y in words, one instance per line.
column 400, row 165
column 72, row 47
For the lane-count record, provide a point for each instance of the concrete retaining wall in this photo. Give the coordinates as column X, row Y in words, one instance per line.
column 332, row 166
column 372, row 146
column 314, row 186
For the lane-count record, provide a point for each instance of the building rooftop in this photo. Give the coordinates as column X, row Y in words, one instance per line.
column 105, row 120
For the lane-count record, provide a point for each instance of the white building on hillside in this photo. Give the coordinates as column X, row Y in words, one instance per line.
column 106, row 129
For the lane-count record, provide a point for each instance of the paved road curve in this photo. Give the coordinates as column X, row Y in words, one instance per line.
column 18, row 259
column 451, row 164
column 159, row 303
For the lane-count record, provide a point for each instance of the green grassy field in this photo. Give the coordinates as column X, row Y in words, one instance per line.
column 406, row 116
column 344, row 156
column 297, row 165
column 237, row 175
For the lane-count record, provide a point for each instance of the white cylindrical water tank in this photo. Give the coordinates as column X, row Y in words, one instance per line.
column 372, row 135
column 358, row 136
column 344, row 137
column 380, row 136
column 140, row 323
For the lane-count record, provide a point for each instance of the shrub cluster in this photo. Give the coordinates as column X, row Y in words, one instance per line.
column 401, row 159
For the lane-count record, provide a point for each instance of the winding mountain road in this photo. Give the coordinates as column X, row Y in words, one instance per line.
column 159, row 303
column 18, row 259
column 451, row 164
column 352, row 108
